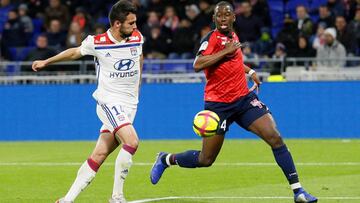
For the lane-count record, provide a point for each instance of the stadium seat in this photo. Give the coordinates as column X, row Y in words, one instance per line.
column 103, row 20
column 150, row 67
column 292, row 4
column 19, row 53
column 38, row 25
column 174, row 67
column 277, row 15
column 316, row 3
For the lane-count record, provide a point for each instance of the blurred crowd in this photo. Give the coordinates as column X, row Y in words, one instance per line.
column 37, row 29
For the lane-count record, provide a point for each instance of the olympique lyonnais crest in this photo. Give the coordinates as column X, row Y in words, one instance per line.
column 133, row 51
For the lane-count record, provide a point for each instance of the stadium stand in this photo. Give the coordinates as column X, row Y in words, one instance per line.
column 195, row 14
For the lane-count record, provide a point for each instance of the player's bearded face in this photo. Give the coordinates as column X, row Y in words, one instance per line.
column 128, row 26
column 125, row 32
column 224, row 18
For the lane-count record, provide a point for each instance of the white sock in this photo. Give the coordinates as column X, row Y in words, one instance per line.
column 167, row 159
column 295, row 186
column 122, row 165
column 84, row 176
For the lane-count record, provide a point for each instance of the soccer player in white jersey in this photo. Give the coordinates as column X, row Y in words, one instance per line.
column 118, row 58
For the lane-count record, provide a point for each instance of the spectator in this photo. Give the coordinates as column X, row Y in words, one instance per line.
column 141, row 12
column 75, row 35
column 56, row 10
column 83, row 19
column 13, row 34
column 264, row 45
column 318, row 39
column 303, row 22
column 36, row 8
column 56, row 37
column 249, row 55
column 247, row 25
column 336, row 7
column 5, row 7
column 355, row 27
column 276, row 68
column 152, row 21
column 344, row 35
column 26, row 21
column 261, row 9
column 156, row 5
column 170, row 21
column 157, row 46
column 305, row 50
column 325, row 16
column 99, row 29
column 206, row 12
column 193, row 14
column 331, row 54
column 183, row 41
column 288, row 35
column 350, row 9
column 198, row 36
column 41, row 51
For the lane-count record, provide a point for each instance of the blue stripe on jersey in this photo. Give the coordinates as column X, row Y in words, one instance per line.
column 118, row 46
column 108, row 116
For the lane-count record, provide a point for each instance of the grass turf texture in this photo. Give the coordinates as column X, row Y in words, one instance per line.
column 39, row 183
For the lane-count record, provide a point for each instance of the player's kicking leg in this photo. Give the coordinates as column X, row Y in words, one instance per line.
column 265, row 128
column 104, row 146
column 188, row 159
column 130, row 140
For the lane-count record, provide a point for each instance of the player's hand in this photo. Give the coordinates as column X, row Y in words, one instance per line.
column 257, row 83
column 231, row 47
column 38, row 65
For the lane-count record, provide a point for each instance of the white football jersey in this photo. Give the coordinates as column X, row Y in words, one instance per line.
column 117, row 67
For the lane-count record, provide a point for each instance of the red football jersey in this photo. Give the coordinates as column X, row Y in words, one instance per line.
column 226, row 81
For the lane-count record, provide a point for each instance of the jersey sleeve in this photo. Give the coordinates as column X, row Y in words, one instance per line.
column 87, row 46
column 206, row 45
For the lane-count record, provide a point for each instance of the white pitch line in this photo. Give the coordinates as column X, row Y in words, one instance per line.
column 269, row 197
column 150, row 164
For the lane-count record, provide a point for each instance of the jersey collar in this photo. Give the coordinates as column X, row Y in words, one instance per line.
column 221, row 34
column 111, row 37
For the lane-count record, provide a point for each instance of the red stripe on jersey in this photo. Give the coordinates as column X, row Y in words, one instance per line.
column 102, row 39
column 226, row 81
column 135, row 37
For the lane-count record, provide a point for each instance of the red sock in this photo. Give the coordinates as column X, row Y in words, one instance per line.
column 93, row 165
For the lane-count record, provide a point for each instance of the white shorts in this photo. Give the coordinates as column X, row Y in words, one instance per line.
column 114, row 116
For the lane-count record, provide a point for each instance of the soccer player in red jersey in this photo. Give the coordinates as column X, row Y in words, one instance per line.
column 227, row 94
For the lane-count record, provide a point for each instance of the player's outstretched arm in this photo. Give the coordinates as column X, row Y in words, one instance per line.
column 254, row 77
column 202, row 62
column 67, row 55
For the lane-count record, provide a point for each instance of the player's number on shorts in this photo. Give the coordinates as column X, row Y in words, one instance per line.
column 223, row 125
column 116, row 110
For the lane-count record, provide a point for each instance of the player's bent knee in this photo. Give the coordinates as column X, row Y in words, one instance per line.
column 206, row 162
column 132, row 143
column 276, row 141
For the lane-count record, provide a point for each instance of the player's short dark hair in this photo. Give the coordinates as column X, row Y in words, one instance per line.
column 225, row 3
column 120, row 10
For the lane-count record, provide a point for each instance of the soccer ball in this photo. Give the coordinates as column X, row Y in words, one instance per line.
column 206, row 123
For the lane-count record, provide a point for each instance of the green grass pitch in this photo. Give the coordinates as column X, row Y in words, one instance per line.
column 244, row 172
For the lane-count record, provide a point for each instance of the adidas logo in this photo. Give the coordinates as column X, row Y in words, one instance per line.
column 108, row 55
